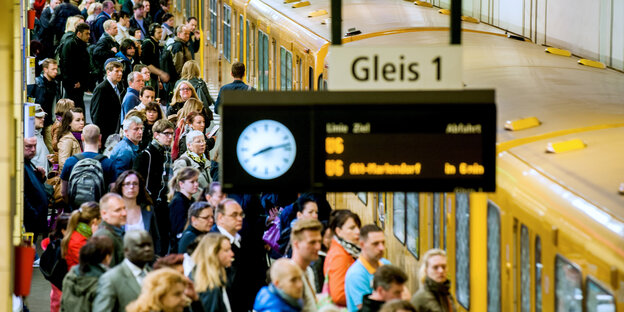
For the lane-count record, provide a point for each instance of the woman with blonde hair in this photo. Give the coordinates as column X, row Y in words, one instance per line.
column 81, row 226
column 181, row 189
column 93, row 11
column 181, row 93
column 191, row 106
column 191, row 73
column 70, row 135
column 212, row 256
column 162, row 291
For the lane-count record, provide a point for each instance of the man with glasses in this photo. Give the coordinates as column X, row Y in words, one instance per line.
column 154, row 163
column 127, row 150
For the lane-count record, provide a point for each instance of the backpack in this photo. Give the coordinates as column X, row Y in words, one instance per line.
column 86, row 181
column 52, row 265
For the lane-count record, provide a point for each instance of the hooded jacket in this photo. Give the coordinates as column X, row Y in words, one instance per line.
column 269, row 299
column 79, row 289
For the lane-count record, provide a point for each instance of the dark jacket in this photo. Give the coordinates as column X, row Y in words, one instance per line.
column 434, row 297
column 46, row 32
column 103, row 51
column 211, row 299
column 178, row 212
column 135, row 24
column 60, row 15
column 188, row 236
column 151, row 164
column 270, row 300
column 45, row 92
column 128, row 7
column 123, row 155
column 97, row 28
column 370, row 305
column 79, row 289
column 75, row 62
column 149, row 221
column 116, row 234
column 180, row 53
column 35, row 200
column 106, row 108
column 234, row 85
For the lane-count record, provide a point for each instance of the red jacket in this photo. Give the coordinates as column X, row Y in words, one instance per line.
column 76, row 241
column 337, row 263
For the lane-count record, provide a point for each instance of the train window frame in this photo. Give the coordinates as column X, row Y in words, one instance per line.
column 285, row 69
column 263, row 61
column 590, row 280
column 398, row 219
column 213, row 22
column 538, row 273
column 310, row 78
column 525, row 269
column 462, row 257
column 227, row 32
column 561, row 259
column 494, row 259
column 435, row 219
column 272, row 61
column 248, row 46
column 412, row 224
column 241, row 38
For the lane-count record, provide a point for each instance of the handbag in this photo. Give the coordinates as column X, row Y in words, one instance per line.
column 55, row 183
column 272, row 235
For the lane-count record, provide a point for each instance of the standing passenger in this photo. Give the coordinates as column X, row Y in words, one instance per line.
column 212, row 257
column 238, row 72
column 200, row 221
column 132, row 100
column 195, row 157
column 106, row 102
column 46, row 91
column 162, row 291
column 75, row 65
column 306, row 242
column 105, row 48
column 113, row 211
column 181, row 189
column 81, row 226
column 70, row 135
column 285, row 290
column 388, row 284
column 180, row 50
column 138, row 20
column 41, row 156
column 434, row 292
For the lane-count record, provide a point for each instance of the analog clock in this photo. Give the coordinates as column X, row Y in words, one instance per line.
column 266, row 149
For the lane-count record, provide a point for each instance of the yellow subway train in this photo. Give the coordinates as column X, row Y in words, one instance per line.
column 551, row 238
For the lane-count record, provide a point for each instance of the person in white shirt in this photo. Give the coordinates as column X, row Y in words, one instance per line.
column 122, row 27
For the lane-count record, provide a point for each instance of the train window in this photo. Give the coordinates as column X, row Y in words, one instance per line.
column 494, row 274
column 188, row 8
column 263, row 61
column 598, row 298
column 538, row 274
column 249, row 55
column 311, row 78
column 213, row 23
column 227, row 32
column 413, row 224
column 272, row 64
column 436, row 220
column 241, row 38
column 568, row 283
column 285, row 69
column 398, row 216
column 462, row 249
column 299, row 74
column 525, row 271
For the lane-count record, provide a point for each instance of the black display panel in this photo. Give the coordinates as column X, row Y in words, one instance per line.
column 426, row 141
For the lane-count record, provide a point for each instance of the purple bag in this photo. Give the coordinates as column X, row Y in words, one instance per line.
column 272, row 235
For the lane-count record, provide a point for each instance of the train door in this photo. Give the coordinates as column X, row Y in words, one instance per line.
column 250, row 60
column 227, row 37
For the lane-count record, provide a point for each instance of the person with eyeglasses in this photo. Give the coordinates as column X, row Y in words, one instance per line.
column 183, row 91
column 154, row 163
column 195, row 157
column 181, row 190
column 199, row 222
column 139, row 206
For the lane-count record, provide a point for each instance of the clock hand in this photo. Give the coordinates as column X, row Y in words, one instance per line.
column 266, row 149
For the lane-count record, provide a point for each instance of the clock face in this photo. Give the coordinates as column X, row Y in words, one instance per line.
column 266, row 149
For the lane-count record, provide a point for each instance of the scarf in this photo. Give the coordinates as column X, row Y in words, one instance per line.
column 200, row 159
column 438, row 288
column 290, row 300
column 352, row 249
column 78, row 136
column 84, row 229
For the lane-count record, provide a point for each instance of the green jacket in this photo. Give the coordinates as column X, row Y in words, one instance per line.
column 434, row 297
column 116, row 234
column 79, row 289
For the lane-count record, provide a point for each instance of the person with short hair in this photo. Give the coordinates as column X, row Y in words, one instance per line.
column 60, row 15
column 153, row 113
column 106, row 101
column 108, row 8
column 195, row 121
column 360, row 274
column 113, row 212
column 285, row 290
column 200, row 220
column 127, row 150
column 41, row 156
column 182, row 187
column 75, row 64
column 163, row 290
column 305, row 238
column 398, row 305
column 132, row 99
column 179, row 48
column 434, row 293
column 35, row 196
column 150, row 56
column 306, row 208
column 122, row 284
column 46, row 89
column 195, row 157
column 123, row 25
column 238, row 72
column 388, row 284
column 343, row 252
column 138, row 19
column 213, row 194
column 195, row 38
column 168, row 27
column 80, row 284
column 105, row 48
column 162, row 9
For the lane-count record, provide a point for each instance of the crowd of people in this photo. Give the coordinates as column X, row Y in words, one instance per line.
column 132, row 201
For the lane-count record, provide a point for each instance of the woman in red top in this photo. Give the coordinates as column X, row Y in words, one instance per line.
column 82, row 224
column 343, row 251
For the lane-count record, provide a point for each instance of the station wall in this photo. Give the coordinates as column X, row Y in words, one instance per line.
column 589, row 29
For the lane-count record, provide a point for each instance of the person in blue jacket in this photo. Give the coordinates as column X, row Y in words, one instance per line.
column 285, row 292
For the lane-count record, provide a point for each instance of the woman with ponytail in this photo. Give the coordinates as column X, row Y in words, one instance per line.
column 181, row 189
column 82, row 224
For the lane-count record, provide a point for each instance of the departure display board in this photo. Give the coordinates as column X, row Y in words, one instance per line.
column 431, row 141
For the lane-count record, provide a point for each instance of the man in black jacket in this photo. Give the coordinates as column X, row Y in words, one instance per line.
column 75, row 65
column 154, row 163
column 47, row 31
column 106, row 103
column 46, row 91
column 60, row 15
column 150, row 56
column 105, row 48
column 138, row 20
column 98, row 26
column 35, row 196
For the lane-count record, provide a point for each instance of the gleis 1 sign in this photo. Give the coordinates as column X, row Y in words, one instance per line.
column 394, row 68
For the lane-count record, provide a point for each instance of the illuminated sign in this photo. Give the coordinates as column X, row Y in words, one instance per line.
column 434, row 141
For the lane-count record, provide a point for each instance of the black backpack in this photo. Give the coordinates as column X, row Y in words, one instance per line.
column 52, row 265
column 86, row 181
